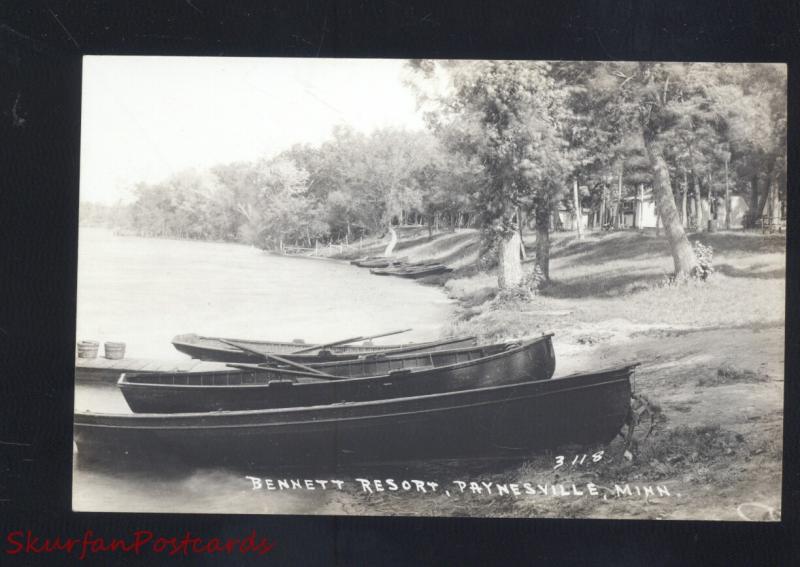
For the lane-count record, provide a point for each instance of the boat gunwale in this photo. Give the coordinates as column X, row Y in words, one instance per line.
column 415, row 372
column 627, row 369
column 340, row 419
column 231, row 350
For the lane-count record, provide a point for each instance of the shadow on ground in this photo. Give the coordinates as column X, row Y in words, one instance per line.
column 602, row 285
column 632, row 244
column 752, row 272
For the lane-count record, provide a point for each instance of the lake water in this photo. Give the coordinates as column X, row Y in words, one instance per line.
column 145, row 291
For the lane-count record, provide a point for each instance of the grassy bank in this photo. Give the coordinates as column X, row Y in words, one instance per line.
column 712, row 364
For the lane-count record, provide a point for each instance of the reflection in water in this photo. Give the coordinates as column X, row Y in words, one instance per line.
column 145, row 291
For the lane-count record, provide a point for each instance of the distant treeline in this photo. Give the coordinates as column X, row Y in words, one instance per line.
column 352, row 186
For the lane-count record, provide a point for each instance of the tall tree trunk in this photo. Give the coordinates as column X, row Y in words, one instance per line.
column 509, row 270
column 542, row 217
column 658, row 224
column 639, row 208
column 698, row 205
column 775, row 203
column 618, row 208
column 712, row 204
column 520, row 216
column 765, row 194
column 392, row 242
column 682, row 254
column 603, row 208
column 752, row 213
column 430, row 227
column 765, row 197
column 684, row 218
column 727, row 199
column 577, row 206
column 696, row 180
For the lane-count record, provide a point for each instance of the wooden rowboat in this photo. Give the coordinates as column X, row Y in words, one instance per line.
column 416, row 271
column 356, row 261
column 511, row 420
column 378, row 262
column 352, row 381
column 223, row 350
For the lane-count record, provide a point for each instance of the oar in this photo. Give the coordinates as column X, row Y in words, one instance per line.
column 346, row 341
column 420, row 346
column 300, row 366
column 326, row 345
column 280, row 359
column 242, row 348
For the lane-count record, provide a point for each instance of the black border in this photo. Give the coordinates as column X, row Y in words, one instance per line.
column 40, row 60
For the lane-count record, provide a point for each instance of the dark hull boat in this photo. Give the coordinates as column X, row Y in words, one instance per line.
column 223, row 350
column 357, row 261
column 378, row 262
column 511, row 420
column 356, row 381
column 413, row 272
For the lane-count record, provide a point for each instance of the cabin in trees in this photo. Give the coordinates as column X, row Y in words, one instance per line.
column 640, row 212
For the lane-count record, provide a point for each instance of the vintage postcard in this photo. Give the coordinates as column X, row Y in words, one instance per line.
column 431, row 288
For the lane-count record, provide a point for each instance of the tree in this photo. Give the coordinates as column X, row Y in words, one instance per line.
column 505, row 117
column 644, row 99
column 753, row 98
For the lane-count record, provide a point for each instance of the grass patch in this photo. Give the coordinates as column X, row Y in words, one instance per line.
column 730, row 374
column 686, row 452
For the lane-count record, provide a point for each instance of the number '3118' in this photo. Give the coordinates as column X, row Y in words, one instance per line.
column 578, row 460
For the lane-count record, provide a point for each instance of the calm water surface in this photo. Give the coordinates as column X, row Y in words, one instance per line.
column 145, row 291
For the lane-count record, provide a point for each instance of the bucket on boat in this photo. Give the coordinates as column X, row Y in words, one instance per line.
column 114, row 351
column 88, row 349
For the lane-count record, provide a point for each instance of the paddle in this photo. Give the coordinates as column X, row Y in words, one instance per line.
column 300, row 366
column 420, row 346
column 344, row 342
column 279, row 359
column 412, row 348
column 326, row 345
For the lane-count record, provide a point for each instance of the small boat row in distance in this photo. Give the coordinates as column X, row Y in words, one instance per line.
column 413, row 271
column 244, row 350
column 380, row 266
column 253, row 387
column 377, row 262
column 509, row 420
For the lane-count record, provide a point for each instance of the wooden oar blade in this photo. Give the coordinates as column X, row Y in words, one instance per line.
column 326, row 345
column 354, row 339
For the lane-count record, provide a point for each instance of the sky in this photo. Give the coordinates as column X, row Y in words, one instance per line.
column 146, row 118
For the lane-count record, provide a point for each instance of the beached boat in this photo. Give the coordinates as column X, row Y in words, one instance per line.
column 379, row 262
column 509, row 420
column 365, row 259
column 412, row 271
column 353, row 381
column 225, row 350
